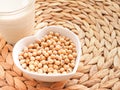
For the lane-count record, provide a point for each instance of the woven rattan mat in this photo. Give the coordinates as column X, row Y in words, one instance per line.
column 97, row 23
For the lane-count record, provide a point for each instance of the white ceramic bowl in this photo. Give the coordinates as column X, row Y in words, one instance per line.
column 41, row 33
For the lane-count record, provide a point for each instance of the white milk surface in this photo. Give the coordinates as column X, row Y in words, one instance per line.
column 12, row 5
column 13, row 27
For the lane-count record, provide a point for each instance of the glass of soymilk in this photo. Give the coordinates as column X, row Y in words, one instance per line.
column 16, row 19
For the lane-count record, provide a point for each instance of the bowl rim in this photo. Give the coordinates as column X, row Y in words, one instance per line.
column 35, row 37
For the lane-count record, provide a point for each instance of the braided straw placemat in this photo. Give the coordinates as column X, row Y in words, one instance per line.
column 97, row 23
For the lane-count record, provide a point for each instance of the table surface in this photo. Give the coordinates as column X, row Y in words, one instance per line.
column 97, row 24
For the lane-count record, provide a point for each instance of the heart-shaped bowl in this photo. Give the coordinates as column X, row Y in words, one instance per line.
column 24, row 42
